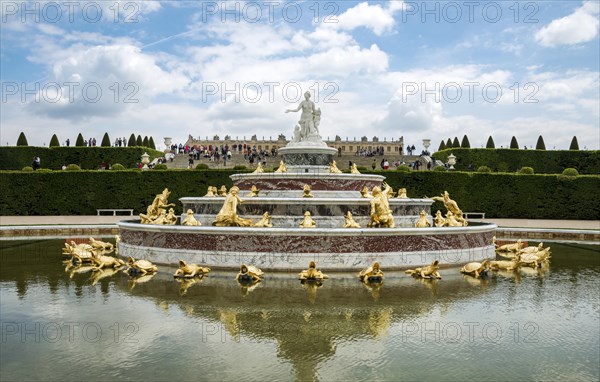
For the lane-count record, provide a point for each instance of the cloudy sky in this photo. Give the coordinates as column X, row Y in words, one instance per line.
column 389, row 69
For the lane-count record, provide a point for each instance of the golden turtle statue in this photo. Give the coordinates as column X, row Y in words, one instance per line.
column 428, row 272
column 139, row 267
column 423, row 222
column 249, row 274
column 372, row 274
column 312, row 273
column 508, row 265
column 476, row 269
column 190, row 270
column 106, row 262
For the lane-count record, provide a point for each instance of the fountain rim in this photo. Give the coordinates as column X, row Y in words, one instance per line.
column 318, row 232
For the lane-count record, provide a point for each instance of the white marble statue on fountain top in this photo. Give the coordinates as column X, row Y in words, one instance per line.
column 306, row 133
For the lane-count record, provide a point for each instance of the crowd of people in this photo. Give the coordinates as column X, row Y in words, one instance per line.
column 221, row 153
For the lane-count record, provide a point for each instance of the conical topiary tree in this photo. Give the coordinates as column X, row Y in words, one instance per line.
column 80, row 141
column 449, row 143
column 131, row 141
column 54, row 141
column 151, row 144
column 139, row 141
column 442, row 146
column 513, row 143
column 540, row 145
column 105, row 141
column 455, row 142
column 145, row 141
column 465, row 144
column 490, row 143
column 22, row 140
column 574, row 144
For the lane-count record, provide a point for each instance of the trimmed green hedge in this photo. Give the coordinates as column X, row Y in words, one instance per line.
column 90, row 158
column 510, row 160
column 498, row 195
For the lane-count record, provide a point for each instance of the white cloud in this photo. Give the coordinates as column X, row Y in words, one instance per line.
column 579, row 27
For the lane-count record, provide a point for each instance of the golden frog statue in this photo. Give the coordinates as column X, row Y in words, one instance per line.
column 333, row 169
column 282, row 167
column 350, row 223
column 190, row 219
column 451, row 220
column 364, row 193
column 428, row 272
column 354, row 169
column 381, row 214
column 253, row 192
column 210, row 192
column 228, row 216
column 423, row 221
column 402, row 194
column 439, row 220
column 306, row 191
column 102, row 262
column 171, row 218
column 190, row 270
column 259, row 169
column 307, row 221
column 223, row 191
column 312, row 273
column 249, row 273
column 265, row 222
column 98, row 245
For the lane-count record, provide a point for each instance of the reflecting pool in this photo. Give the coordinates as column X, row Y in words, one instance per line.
column 527, row 325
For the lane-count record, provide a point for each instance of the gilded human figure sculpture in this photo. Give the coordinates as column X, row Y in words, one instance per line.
column 190, row 219
column 310, row 115
column 353, row 169
column 364, row 193
column 452, row 207
column 402, row 194
column 265, row 222
column 161, row 219
column 307, row 221
column 349, row 221
column 223, row 191
column 439, row 220
column 259, row 169
column 306, row 191
column 160, row 203
column 381, row 214
column 428, row 272
column 253, row 192
column 333, row 169
column 423, row 222
column 227, row 216
column 282, row 167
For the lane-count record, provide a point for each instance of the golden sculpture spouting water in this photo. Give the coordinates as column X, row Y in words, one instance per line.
column 312, row 273
column 282, row 167
column 354, row 169
column 428, row 272
column 349, row 221
column 253, row 192
column 190, row 219
column 333, row 169
column 259, row 169
column 227, row 216
column 307, row 221
column 381, row 214
column 451, row 206
column 422, row 222
column 190, row 270
column 307, row 191
column 159, row 204
column 265, row 222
